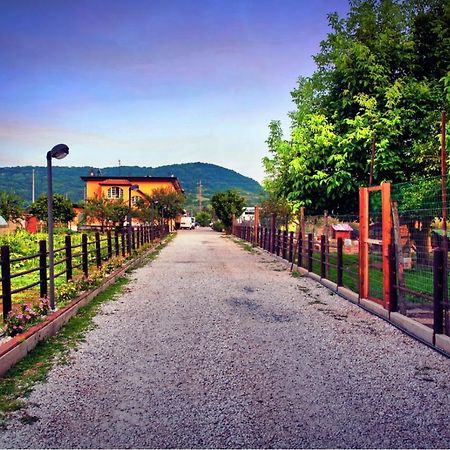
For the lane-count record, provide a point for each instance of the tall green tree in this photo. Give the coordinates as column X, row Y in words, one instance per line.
column 11, row 206
column 63, row 211
column 383, row 72
column 227, row 203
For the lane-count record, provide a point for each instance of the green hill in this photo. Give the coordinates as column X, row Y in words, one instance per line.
column 66, row 180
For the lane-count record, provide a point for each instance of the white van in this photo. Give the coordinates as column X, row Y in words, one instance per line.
column 187, row 223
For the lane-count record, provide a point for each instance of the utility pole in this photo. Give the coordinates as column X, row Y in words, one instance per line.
column 199, row 194
column 32, row 186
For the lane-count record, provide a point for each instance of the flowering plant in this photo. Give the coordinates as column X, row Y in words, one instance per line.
column 17, row 321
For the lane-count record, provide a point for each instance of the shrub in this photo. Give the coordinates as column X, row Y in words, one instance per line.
column 18, row 321
column 218, row 226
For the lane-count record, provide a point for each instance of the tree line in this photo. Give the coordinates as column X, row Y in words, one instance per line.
column 382, row 79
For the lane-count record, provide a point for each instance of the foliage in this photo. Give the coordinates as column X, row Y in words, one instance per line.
column 382, row 74
column 11, row 206
column 278, row 206
column 166, row 203
column 108, row 212
column 18, row 321
column 62, row 209
column 203, row 218
column 67, row 180
column 225, row 204
column 218, row 226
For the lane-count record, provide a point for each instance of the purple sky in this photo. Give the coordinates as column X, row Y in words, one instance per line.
column 152, row 82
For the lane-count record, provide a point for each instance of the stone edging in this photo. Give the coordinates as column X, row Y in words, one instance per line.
column 12, row 351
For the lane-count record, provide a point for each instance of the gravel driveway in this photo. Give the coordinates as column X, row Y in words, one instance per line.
column 212, row 346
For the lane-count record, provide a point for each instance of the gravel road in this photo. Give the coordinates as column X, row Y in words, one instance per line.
column 216, row 347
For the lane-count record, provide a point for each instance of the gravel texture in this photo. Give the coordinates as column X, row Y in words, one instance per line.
column 212, row 346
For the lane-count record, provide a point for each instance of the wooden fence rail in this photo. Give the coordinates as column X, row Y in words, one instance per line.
column 71, row 257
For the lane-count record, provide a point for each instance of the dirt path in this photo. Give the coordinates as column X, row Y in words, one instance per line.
column 212, row 346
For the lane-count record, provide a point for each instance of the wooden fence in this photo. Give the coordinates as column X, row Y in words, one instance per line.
column 93, row 252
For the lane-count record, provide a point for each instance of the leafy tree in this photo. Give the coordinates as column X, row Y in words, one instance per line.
column 383, row 71
column 165, row 203
column 11, row 206
column 109, row 212
column 203, row 218
column 278, row 206
column 225, row 204
column 63, row 211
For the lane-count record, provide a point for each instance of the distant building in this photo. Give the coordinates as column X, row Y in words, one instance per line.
column 118, row 187
column 248, row 215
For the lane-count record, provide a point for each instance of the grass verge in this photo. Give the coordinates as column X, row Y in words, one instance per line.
column 18, row 383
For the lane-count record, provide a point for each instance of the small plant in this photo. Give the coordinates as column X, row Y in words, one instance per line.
column 296, row 274
column 66, row 292
column 218, row 226
column 18, row 321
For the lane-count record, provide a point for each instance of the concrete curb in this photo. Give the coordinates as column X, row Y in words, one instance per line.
column 12, row 351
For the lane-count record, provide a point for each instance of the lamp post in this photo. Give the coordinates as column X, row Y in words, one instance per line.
column 133, row 187
column 59, row 151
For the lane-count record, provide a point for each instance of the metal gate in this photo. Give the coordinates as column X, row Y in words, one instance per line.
column 375, row 242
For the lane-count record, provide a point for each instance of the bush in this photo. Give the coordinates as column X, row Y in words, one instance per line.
column 218, row 226
column 19, row 321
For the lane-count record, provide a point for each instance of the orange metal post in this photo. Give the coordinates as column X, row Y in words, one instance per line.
column 387, row 238
column 363, row 249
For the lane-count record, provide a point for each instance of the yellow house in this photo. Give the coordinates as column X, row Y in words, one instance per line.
column 120, row 187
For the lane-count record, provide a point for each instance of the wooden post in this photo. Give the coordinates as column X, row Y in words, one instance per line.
column 109, row 242
column 323, row 271
column 122, row 236
column 98, row 254
column 6, row 280
column 438, row 290
column 284, row 245
column 116, row 242
column 84, row 255
column 273, row 228
column 310, row 252
column 398, row 260
column 326, row 244
column 291, row 247
column 256, row 225
column 68, row 252
column 339, row 262
column 43, row 269
column 300, row 249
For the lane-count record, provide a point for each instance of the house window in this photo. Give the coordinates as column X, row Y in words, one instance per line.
column 135, row 200
column 115, row 192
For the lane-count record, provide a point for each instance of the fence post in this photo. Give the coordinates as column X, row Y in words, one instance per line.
column 339, row 262
column 393, row 301
column 438, row 290
column 310, row 252
column 273, row 230
column 133, row 238
column 43, row 268
column 84, row 254
column 122, row 239
column 68, row 249
column 98, row 254
column 291, row 246
column 284, row 245
column 300, row 250
column 6, row 280
column 109, row 240
column 323, row 267
column 116, row 242
column 278, row 241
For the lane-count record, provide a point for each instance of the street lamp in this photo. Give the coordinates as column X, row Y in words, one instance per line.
column 133, row 187
column 59, row 151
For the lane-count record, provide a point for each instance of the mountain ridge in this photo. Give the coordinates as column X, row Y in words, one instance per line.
column 67, row 181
